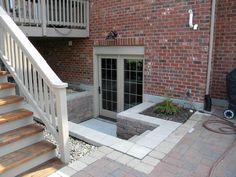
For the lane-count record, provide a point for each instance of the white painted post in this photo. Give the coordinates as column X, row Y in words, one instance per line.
column 60, row 19
column 87, row 17
column 8, row 7
column 56, row 14
column 2, row 40
column 19, row 10
column 24, row 11
column 14, row 9
column 44, row 20
column 63, row 129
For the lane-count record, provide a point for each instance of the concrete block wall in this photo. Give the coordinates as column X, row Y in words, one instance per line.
column 80, row 106
column 127, row 128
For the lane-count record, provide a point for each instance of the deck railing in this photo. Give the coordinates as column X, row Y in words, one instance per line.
column 48, row 13
column 36, row 80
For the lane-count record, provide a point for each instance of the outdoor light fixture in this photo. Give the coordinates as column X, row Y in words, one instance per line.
column 191, row 25
column 112, row 35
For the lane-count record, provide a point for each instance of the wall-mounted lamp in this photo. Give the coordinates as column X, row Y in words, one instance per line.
column 112, row 35
column 191, row 25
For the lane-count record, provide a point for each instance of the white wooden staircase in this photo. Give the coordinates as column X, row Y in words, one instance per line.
column 22, row 146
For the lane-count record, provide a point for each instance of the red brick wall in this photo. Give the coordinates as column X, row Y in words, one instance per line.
column 175, row 55
column 73, row 64
column 225, row 46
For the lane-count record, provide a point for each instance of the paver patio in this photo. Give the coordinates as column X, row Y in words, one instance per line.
column 193, row 156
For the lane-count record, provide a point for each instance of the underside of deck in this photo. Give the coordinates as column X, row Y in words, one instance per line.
column 33, row 31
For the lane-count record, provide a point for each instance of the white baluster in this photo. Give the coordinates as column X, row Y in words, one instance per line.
column 52, row 109
column 48, row 12
column 64, row 12
column 41, row 99
column 46, row 101
column 29, row 10
column 26, row 81
column 81, row 13
column 24, row 11
column 16, row 58
column 35, row 81
column 19, row 11
column 21, row 65
column 12, row 52
column 30, row 78
column 56, row 8
column 33, row 12
column 14, row 9
column 71, row 16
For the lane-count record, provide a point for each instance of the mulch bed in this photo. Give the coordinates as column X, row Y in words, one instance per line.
column 182, row 116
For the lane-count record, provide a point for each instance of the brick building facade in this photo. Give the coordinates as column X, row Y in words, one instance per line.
column 176, row 56
column 225, row 46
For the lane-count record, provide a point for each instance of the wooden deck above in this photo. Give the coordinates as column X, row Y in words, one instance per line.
column 50, row 18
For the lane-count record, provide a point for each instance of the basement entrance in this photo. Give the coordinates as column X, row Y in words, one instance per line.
column 120, row 84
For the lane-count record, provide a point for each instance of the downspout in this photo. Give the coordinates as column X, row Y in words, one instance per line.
column 208, row 103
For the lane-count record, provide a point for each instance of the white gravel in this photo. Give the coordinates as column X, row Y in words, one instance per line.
column 78, row 148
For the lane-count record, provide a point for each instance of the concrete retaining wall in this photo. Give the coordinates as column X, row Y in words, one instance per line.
column 127, row 128
column 80, row 106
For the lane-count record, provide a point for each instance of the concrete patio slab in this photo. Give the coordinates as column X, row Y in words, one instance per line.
column 100, row 125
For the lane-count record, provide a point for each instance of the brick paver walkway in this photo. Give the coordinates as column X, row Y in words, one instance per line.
column 106, row 167
column 191, row 157
column 195, row 153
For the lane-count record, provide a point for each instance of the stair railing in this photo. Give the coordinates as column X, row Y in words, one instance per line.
column 36, row 80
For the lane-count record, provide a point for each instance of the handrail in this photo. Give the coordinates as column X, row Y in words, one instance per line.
column 36, row 80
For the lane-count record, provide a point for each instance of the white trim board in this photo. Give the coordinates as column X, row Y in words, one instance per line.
column 119, row 50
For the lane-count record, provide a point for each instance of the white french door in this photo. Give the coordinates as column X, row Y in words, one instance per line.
column 120, row 83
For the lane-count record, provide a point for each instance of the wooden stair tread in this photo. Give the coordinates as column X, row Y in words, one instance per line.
column 3, row 73
column 6, row 85
column 44, row 169
column 14, row 115
column 20, row 133
column 23, row 155
column 10, row 99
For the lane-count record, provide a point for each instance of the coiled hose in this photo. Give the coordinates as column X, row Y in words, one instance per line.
column 226, row 128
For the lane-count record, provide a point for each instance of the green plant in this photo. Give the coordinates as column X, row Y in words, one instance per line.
column 167, row 107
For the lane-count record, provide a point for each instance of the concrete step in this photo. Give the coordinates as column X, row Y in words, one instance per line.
column 133, row 138
column 136, row 138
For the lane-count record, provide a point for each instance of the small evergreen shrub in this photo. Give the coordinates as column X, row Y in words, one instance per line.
column 167, row 107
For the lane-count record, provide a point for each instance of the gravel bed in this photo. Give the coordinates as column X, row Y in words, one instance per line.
column 78, row 148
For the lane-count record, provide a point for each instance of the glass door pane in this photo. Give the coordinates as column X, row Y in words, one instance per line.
column 133, row 82
column 109, row 84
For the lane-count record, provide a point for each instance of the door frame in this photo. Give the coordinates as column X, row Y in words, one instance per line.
column 108, row 113
column 112, row 51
